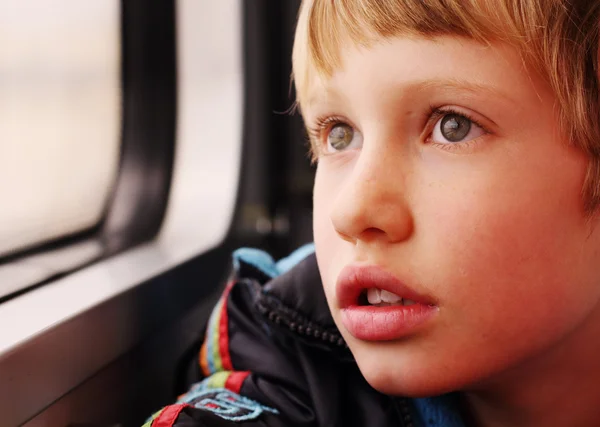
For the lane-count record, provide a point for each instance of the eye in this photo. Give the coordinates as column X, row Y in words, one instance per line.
column 453, row 128
column 341, row 137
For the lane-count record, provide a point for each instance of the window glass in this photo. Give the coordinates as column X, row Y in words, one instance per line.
column 59, row 117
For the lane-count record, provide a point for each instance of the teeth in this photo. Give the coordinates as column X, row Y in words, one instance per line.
column 374, row 296
column 384, row 298
column 390, row 297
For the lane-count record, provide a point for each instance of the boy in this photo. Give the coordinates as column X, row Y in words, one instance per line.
column 455, row 281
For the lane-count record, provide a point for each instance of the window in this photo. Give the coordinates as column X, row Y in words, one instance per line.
column 87, row 106
column 60, row 133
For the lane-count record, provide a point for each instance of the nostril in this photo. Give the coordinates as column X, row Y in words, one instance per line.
column 371, row 233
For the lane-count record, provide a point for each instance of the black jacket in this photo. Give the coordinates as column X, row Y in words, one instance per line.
column 273, row 357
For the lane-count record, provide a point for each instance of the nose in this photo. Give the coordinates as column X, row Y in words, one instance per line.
column 372, row 205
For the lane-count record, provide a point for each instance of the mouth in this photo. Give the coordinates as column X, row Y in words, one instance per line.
column 382, row 298
column 371, row 285
column 377, row 306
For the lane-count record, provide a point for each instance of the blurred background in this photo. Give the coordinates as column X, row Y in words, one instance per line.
column 140, row 143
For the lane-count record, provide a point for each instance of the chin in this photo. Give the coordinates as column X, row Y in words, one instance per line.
column 406, row 385
column 395, row 375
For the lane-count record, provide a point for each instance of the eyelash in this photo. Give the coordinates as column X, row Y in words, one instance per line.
column 323, row 123
column 315, row 133
column 434, row 114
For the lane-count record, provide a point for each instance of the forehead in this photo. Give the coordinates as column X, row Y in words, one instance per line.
column 410, row 67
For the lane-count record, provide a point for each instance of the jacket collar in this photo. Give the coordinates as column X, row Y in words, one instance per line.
column 294, row 281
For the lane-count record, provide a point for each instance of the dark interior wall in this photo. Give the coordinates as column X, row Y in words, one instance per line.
column 275, row 201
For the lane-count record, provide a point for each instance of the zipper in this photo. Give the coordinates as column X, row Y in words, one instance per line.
column 405, row 415
column 299, row 325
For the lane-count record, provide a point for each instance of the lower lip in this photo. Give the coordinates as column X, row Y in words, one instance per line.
column 371, row 323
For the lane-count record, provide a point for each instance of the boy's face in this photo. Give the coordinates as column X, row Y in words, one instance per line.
column 440, row 162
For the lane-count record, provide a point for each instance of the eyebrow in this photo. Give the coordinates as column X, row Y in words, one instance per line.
column 463, row 85
column 447, row 84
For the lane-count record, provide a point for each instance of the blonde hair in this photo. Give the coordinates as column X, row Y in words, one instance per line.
column 557, row 38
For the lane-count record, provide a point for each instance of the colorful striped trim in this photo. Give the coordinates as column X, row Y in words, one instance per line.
column 166, row 417
column 226, row 379
column 231, row 381
column 152, row 418
column 214, row 355
column 215, row 359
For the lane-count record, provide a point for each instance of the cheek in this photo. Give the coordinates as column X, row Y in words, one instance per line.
column 508, row 244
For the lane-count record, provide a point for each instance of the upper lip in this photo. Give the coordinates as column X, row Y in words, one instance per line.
column 355, row 279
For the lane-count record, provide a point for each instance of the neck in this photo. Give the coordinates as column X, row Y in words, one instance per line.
column 559, row 388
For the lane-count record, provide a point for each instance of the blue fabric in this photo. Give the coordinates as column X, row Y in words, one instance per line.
column 440, row 411
column 265, row 262
column 257, row 258
column 287, row 263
